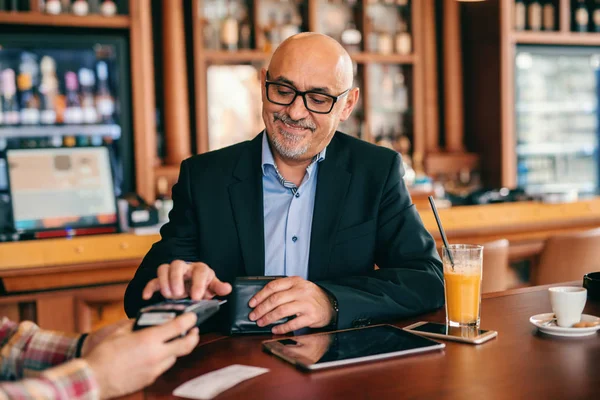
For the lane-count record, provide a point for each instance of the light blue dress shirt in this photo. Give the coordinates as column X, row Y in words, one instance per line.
column 288, row 213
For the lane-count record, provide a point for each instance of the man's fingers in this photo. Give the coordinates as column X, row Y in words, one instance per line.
column 201, row 277
column 174, row 328
column 285, row 310
column 219, row 288
column 274, row 286
column 176, row 274
column 163, row 279
column 272, row 302
column 292, row 325
column 151, row 287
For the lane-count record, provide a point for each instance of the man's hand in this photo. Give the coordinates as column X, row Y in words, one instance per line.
column 128, row 361
column 286, row 297
column 97, row 337
column 180, row 279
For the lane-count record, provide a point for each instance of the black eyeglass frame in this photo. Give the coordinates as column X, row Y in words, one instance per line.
column 303, row 95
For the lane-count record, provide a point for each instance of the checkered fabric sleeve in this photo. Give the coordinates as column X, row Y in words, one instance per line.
column 29, row 352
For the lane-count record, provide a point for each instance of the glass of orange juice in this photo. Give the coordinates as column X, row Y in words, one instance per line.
column 462, row 283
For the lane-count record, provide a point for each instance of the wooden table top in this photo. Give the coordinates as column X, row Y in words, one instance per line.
column 519, row 363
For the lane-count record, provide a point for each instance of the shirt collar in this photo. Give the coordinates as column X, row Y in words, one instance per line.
column 267, row 155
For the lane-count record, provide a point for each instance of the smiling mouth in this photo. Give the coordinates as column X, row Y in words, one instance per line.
column 294, row 128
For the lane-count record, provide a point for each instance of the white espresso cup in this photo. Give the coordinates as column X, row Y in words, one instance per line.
column 567, row 304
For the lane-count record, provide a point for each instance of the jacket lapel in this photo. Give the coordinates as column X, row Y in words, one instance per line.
column 332, row 185
column 246, row 196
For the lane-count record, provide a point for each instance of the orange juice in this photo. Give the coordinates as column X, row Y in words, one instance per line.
column 463, row 294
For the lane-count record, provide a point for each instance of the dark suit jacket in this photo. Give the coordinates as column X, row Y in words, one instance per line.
column 363, row 215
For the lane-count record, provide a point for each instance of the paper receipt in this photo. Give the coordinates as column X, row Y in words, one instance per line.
column 211, row 384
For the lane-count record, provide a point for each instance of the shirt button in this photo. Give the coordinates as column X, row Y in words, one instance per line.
column 297, row 194
column 294, row 238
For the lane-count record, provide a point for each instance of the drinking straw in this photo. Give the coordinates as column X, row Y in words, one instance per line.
column 439, row 224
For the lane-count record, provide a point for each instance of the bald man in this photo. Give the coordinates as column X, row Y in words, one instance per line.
column 300, row 200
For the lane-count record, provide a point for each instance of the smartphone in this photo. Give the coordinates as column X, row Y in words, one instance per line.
column 470, row 335
column 158, row 314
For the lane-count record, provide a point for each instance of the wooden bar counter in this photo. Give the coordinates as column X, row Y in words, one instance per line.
column 519, row 363
column 78, row 284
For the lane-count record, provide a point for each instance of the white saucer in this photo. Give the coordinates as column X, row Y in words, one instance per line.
column 553, row 329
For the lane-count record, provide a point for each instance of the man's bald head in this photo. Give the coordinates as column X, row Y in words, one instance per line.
column 318, row 67
column 315, row 50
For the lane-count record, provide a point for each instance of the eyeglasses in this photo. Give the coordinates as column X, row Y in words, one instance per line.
column 284, row 95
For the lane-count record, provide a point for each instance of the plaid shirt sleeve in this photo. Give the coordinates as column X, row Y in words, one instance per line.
column 29, row 352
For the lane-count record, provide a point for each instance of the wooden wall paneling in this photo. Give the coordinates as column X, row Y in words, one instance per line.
column 10, row 311
column 366, row 133
column 177, row 116
column 200, row 74
column 79, row 250
column 419, row 137
column 42, row 280
column 97, row 308
column 564, row 16
column 142, row 81
column 258, row 29
column 56, row 313
column 507, row 98
column 430, row 77
column 480, row 23
column 313, row 15
column 453, row 80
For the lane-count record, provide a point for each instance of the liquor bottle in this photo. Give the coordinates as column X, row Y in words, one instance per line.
column 53, row 7
column 403, row 37
column 385, row 43
column 9, row 91
column 520, row 15
column 596, row 16
column 271, row 33
column 229, row 30
column 105, row 102
column 80, row 7
column 372, row 37
column 30, row 104
column 87, row 82
column 549, row 19
column 3, row 8
column 534, row 14
column 351, row 38
column 48, row 91
column 581, row 16
column 73, row 112
column 288, row 28
column 245, row 34
column 108, row 8
column 401, row 100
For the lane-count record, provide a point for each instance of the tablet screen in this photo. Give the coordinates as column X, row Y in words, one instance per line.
column 350, row 346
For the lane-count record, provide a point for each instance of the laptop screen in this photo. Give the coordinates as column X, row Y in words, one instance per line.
column 61, row 188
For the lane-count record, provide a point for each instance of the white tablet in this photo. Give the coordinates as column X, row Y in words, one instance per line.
column 333, row 349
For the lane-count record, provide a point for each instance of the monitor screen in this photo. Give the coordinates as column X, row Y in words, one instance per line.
column 61, row 188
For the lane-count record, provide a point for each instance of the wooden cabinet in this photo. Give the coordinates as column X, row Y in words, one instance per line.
column 489, row 42
column 71, row 285
column 138, row 25
column 423, row 101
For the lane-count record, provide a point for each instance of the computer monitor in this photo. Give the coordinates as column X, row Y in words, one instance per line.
column 62, row 191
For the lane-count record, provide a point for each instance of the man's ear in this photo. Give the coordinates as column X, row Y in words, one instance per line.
column 351, row 100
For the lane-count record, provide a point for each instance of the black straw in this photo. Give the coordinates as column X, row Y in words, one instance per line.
column 439, row 224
